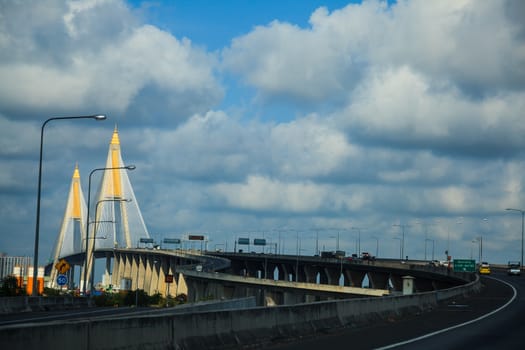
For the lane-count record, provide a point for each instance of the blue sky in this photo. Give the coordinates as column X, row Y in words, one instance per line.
column 214, row 24
column 246, row 117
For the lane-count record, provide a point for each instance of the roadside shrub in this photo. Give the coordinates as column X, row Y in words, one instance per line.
column 9, row 287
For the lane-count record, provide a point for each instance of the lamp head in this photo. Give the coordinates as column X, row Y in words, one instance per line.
column 99, row 117
column 130, row 167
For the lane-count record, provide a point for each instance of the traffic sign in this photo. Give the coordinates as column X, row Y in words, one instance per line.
column 259, row 241
column 195, row 237
column 62, row 266
column 464, row 265
column 62, row 280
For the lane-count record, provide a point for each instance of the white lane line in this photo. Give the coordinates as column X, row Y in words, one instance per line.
column 459, row 325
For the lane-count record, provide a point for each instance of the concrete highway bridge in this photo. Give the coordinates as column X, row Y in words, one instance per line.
column 272, row 279
column 291, row 305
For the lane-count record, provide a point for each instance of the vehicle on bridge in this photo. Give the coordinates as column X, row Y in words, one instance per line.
column 435, row 263
column 484, row 268
column 367, row 256
column 339, row 254
column 514, row 268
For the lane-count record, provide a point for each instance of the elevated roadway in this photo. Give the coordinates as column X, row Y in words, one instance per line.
column 272, row 279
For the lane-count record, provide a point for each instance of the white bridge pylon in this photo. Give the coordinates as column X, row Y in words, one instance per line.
column 115, row 217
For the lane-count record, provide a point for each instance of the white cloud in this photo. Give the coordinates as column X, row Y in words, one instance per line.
column 308, row 148
column 397, row 112
column 474, row 46
column 122, row 68
column 401, row 107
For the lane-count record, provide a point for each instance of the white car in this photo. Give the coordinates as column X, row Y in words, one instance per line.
column 514, row 268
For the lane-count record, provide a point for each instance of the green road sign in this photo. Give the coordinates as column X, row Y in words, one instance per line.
column 464, row 265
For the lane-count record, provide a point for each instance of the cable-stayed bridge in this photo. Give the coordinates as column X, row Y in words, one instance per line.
column 115, row 228
column 115, row 218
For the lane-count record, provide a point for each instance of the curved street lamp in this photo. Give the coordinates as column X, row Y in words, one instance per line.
column 95, row 237
column 402, row 226
column 37, row 228
column 400, row 251
column 433, row 245
column 128, row 167
column 358, row 239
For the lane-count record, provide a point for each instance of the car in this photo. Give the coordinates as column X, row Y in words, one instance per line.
column 434, row 263
column 367, row 256
column 484, row 268
column 514, row 268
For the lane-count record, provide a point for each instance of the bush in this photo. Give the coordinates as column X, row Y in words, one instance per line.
column 10, row 287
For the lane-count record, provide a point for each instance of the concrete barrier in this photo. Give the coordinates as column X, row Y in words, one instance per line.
column 28, row 303
column 221, row 329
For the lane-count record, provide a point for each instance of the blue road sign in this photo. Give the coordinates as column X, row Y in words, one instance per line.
column 62, row 280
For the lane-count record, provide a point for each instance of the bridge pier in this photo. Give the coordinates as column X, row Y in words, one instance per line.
column 356, row 278
column 378, row 280
column 332, row 275
column 311, row 274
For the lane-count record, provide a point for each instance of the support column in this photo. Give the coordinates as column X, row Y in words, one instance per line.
column 356, row 278
column 378, row 280
column 107, row 274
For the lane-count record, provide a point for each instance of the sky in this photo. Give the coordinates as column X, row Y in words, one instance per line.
column 310, row 123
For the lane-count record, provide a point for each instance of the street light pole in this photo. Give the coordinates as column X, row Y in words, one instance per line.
column 403, row 238
column 37, row 227
column 522, row 219
column 377, row 245
column 92, row 272
column 479, row 240
column 358, row 239
column 128, row 167
column 400, row 251
column 430, row 240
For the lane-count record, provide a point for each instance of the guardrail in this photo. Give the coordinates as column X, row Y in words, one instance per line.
column 224, row 329
column 29, row 303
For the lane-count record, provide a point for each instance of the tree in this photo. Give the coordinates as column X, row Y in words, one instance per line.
column 10, row 287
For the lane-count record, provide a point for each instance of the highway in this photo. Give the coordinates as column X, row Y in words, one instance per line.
column 492, row 319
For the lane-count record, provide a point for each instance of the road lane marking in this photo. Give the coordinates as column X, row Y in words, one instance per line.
column 459, row 325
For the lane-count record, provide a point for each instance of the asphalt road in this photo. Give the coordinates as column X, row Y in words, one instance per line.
column 492, row 319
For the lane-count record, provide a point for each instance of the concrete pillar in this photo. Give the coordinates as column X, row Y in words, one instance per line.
column 148, row 266
column 397, row 282
column 311, row 274
column 182, row 287
column 408, row 285
column 323, row 277
column 333, row 275
column 118, row 268
column 378, row 280
column 284, row 272
column 356, row 278
column 107, row 275
column 135, row 278
column 126, row 268
column 154, row 279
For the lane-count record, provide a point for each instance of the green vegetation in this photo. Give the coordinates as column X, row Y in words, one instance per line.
column 140, row 298
column 10, row 288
